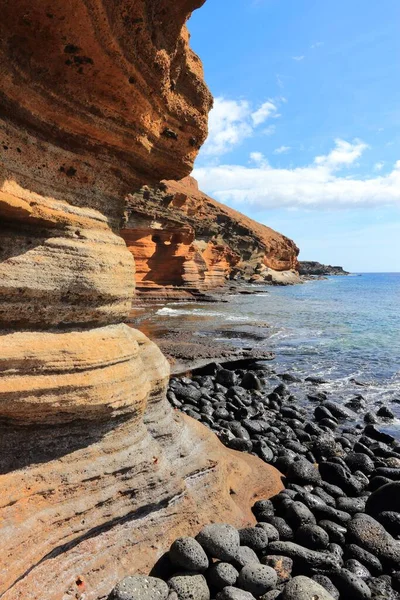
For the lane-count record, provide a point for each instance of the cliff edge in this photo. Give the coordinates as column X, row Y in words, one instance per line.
column 184, row 242
column 97, row 473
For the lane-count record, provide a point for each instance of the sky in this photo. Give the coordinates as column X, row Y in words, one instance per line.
column 305, row 130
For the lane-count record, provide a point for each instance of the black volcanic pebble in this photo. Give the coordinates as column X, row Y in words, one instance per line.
column 189, row 585
column 298, row 514
column 327, row 585
column 312, row 537
column 255, row 538
column 219, row 541
column 355, row 567
column 221, row 575
column 366, row 558
column 351, row 505
column 303, row 472
column 303, row 588
column 366, row 532
column 257, row 579
column 187, row 553
column 305, row 558
column 250, row 381
column 350, row 586
column 336, row 532
column 270, row 530
column 140, row 587
column 234, row 593
column 380, row 436
column 244, row 556
column 385, row 412
column 391, row 521
column 225, row 377
column 263, row 508
column 337, row 475
column 284, row 530
column 360, row 462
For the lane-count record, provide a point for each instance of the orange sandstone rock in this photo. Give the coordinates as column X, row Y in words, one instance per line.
column 97, row 473
column 173, row 229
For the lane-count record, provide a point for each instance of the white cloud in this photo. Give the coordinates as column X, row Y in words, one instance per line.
column 266, row 110
column 316, row 45
column 298, row 58
column 313, row 186
column 270, row 130
column 282, row 150
column 232, row 121
column 379, row 166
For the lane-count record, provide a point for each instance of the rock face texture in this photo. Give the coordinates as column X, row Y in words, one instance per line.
column 316, row 268
column 184, row 242
column 97, row 474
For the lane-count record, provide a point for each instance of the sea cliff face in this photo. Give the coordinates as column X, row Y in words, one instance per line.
column 184, row 242
column 98, row 474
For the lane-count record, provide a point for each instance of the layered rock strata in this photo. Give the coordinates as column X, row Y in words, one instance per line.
column 196, row 243
column 97, row 473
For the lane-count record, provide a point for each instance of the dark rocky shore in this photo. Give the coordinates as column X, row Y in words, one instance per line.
column 332, row 534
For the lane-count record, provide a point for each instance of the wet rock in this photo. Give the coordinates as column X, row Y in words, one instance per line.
column 188, row 554
column 219, row 541
column 189, row 586
column 380, row 436
column 140, row 587
column 257, row 579
column 226, row 378
column 251, row 382
column 316, row 380
column 221, row 575
column 385, row 412
column 303, row 588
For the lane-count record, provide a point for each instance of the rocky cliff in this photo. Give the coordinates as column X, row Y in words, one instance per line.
column 184, row 242
column 97, row 473
column 317, row 269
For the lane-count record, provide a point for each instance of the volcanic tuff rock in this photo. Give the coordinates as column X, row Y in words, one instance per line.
column 316, row 268
column 98, row 474
column 184, row 242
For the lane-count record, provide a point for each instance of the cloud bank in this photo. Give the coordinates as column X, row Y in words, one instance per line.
column 324, row 183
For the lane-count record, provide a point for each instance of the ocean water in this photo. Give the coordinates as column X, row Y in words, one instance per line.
column 341, row 329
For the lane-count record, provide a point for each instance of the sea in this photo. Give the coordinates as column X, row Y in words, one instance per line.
column 344, row 329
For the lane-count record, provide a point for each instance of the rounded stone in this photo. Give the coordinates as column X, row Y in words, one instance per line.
column 253, row 537
column 189, row 586
column 303, row 472
column 327, row 584
column 366, row 532
column 270, row 530
column 351, row 586
column 219, row 540
column 234, row 593
column 312, row 536
column 282, row 565
column 140, row 587
column 221, row 575
column 385, row 498
column 245, row 556
column 304, row 588
column 188, row 554
column 257, row 579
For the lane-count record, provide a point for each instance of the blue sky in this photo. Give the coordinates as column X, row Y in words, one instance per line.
column 305, row 133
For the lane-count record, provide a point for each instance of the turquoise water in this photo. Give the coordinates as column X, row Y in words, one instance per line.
column 341, row 328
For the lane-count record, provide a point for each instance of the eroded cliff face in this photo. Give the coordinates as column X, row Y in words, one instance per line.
column 97, row 473
column 175, row 228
